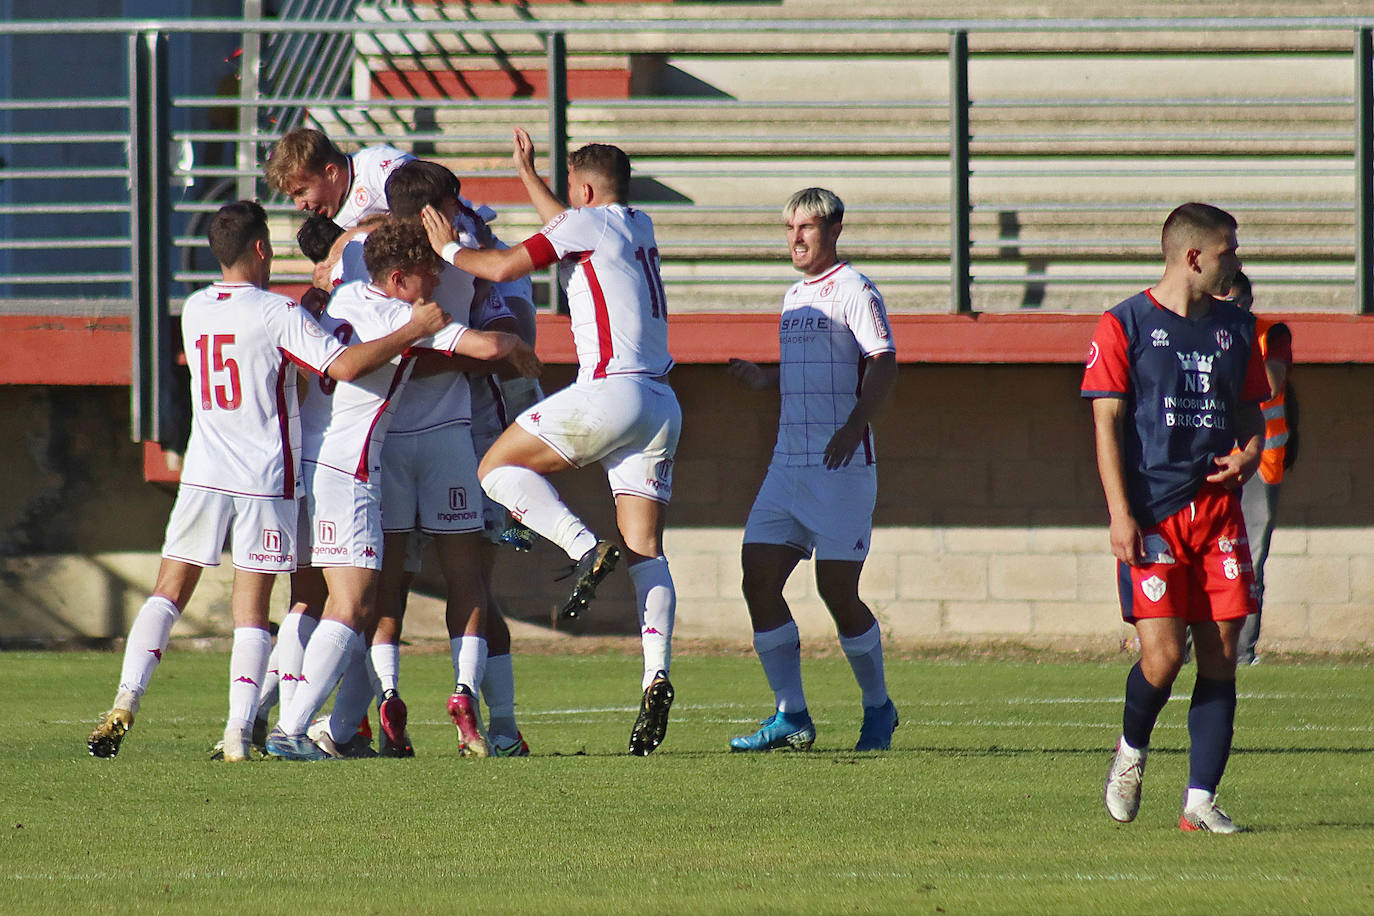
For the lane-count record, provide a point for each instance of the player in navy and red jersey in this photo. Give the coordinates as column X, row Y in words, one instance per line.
column 1176, row 376
column 620, row 412
column 243, row 462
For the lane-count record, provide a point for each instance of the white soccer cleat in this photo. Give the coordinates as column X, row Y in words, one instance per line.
column 236, row 746
column 1208, row 817
column 1124, row 778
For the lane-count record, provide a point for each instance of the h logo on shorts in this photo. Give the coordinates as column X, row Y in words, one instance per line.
column 271, row 540
column 457, row 498
column 327, row 533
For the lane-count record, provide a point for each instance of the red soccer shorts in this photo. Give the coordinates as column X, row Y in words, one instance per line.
column 1197, row 564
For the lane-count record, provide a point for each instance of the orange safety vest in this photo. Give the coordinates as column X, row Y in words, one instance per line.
column 1275, row 416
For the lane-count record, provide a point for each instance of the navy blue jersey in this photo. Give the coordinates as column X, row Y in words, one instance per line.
column 1182, row 381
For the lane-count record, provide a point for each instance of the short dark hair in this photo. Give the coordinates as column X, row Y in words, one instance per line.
column 234, row 229
column 418, row 184
column 1190, row 222
column 398, row 244
column 610, row 162
column 317, row 236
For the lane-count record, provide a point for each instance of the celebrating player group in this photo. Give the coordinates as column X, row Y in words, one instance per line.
column 398, row 404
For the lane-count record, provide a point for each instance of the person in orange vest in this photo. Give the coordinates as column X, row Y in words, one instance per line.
column 1260, row 494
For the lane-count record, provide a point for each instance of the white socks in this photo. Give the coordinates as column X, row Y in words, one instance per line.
column 332, row 647
column 247, row 667
column 146, row 643
column 386, row 662
column 292, row 636
column 469, row 659
column 780, row 652
column 656, row 600
column 267, row 696
column 352, row 700
column 865, row 654
column 535, row 503
column 498, row 690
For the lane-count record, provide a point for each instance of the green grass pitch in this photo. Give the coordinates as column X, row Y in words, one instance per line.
column 989, row 801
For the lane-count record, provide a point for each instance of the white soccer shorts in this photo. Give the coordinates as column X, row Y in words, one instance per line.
column 264, row 530
column 629, row 423
column 340, row 519
column 812, row 508
column 429, row 481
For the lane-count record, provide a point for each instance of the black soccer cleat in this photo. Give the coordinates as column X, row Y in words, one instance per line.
column 587, row 573
column 652, row 723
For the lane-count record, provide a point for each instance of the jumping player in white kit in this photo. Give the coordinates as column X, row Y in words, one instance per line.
column 838, row 364
column 620, row 411
column 242, row 467
column 344, row 429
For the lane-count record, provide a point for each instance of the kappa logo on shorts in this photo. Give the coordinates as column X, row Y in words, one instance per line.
column 457, row 498
column 534, row 418
column 859, row 544
column 369, row 552
column 327, row 532
column 271, row 540
column 1231, row 567
column 1154, row 588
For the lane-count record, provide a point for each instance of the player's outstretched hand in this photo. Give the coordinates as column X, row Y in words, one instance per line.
column 1230, row 472
column 522, row 150
column 523, row 360
column 841, row 447
column 439, row 230
column 428, row 318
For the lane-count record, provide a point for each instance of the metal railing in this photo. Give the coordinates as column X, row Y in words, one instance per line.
column 961, row 188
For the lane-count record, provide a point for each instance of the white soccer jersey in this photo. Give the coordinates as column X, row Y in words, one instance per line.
column 344, row 424
column 615, row 294
column 240, row 342
column 369, row 169
column 829, row 326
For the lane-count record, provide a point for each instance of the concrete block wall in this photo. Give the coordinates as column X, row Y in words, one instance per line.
column 990, row 524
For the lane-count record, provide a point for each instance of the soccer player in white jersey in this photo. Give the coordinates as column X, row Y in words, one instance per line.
column 306, row 166
column 343, row 431
column 242, row 468
column 838, row 365
column 620, row 411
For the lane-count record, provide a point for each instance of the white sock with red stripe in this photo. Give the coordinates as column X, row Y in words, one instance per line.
column 534, row 502
column 780, row 652
column 247, row 667
column 332, row 647
column 656, row 600
column 292, row 637
column 146, row 643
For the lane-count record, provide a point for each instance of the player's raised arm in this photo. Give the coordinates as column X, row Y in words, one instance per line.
column 545, row 201
column 426, row 320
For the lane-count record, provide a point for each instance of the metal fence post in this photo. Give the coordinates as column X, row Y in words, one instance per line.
column 1364, row 162
column 557, row 65
column 149, row 232
column 960, row 297
column 250, row 61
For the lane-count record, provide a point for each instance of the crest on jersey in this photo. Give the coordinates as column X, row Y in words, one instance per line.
column 312, row 328
column 1160, row 337
column 828, row 288
column 361, row 197
column 1224, row 339
column 1154, row 588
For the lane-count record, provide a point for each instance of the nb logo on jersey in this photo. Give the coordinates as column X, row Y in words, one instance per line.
column 1197, row 372
column 1160, row 337
column 327, row 532
column 457, row 498
column 271, row 540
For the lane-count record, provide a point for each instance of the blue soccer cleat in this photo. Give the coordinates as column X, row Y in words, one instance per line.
column 879, row 724
column 780, row 730
column 293, row 747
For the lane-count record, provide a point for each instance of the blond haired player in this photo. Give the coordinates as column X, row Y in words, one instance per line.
column 620, row 412
column 306, row 166
column 242, row 467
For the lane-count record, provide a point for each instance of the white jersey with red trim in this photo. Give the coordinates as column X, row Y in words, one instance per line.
column 369, row 169
column 344, row 423
column 240, row 344
column 615, row 293
column 829, row 327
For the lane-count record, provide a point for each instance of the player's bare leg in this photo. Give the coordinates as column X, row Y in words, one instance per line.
column 176, row 582
column 641, row 522
column 837, row 581
column 778, row 645
column 512, row 473
column 465, row 614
